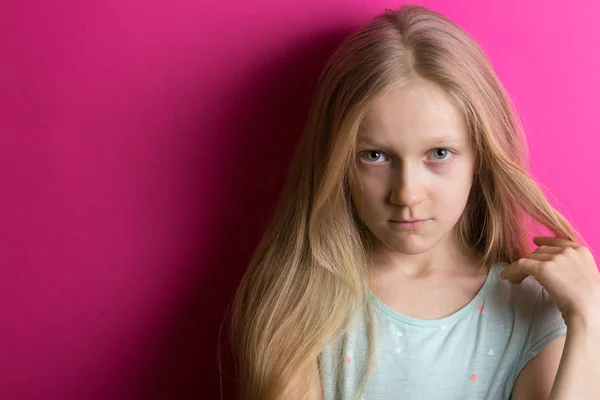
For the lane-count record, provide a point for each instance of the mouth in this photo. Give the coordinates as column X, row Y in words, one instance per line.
column 412, row 224
column 408, row 220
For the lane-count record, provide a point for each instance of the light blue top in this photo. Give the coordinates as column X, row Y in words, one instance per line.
column 475, row 353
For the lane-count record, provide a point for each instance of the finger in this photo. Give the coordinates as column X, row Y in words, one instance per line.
column 521, row 269
column 553, row 241
column 541, row 256
column 545, row 249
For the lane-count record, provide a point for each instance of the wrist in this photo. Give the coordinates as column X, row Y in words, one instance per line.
column 586, row 315
column 584, row 322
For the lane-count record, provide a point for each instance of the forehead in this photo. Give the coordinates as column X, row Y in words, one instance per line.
column 419, row 113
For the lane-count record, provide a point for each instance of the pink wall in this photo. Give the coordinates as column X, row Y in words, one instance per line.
column 142, row 145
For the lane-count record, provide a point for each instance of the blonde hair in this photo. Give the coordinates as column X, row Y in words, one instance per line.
column 307, row 281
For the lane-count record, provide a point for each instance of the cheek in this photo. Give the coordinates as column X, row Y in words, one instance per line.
column 451, row 199
column 366, row 196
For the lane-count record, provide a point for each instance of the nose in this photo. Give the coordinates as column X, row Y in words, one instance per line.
column 408, row 187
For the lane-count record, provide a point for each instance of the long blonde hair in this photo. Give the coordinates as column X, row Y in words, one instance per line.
column 307, row 281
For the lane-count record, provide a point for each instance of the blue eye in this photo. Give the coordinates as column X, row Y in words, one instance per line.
column 445, row 150
column 378, row 154
column 373, row 152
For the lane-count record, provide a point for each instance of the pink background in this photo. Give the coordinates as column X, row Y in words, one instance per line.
column 143, row 144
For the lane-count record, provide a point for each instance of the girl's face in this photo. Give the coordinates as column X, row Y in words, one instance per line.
column 415, row 162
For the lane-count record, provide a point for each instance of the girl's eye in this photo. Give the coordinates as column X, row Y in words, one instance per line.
column 443, row 150
column 373, row 152
column 377, row 154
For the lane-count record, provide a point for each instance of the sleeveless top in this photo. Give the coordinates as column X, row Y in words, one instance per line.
column 475, row 353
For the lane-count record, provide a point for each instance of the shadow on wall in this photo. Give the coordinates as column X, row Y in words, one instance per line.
column 266, row 114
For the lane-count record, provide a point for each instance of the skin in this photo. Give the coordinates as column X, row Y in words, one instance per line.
column 415, row 161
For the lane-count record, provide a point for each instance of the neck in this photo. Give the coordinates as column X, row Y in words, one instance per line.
column 446, row 257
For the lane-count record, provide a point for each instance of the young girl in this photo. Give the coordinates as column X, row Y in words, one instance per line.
column 396, row 265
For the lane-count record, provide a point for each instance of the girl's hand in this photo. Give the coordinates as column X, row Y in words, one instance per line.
column 569, row 274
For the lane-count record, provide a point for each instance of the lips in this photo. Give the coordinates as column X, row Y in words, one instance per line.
column 410, row 225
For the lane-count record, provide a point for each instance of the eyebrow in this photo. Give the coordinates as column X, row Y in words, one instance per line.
column 433, row 139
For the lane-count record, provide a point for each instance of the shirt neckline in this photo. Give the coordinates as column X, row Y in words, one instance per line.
column 476, row 300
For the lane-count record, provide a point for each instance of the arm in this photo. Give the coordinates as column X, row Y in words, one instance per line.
column 536, row 378
column 578, row 374
column 568, row 368
column 569, row 273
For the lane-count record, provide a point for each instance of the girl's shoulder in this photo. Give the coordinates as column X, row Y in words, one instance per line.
column 531, row 312
column 525, row 295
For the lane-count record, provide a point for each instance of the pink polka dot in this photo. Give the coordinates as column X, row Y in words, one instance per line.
column 474, row 377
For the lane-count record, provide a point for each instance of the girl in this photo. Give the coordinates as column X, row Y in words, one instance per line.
column 394, row 265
